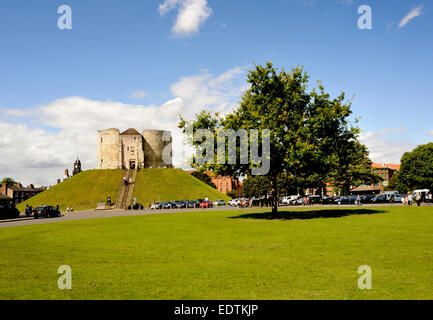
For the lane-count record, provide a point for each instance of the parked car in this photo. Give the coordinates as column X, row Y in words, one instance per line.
column 381, row 198
column 182, row 204
column 157, row 205
column 46, row 212
column 345, row 200
column 219, row 203
column 366, row 198
column 193, row 204
column 328, row 200
column 170, row 205
column 234, row 202
column 398, row 198
column 314, row 199
column 206, row 204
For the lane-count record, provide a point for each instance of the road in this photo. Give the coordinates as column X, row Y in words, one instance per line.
column 92, row 214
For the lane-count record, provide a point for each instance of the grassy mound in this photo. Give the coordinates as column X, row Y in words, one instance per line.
column 86, row 189
column 80, row 192
column 171, row 184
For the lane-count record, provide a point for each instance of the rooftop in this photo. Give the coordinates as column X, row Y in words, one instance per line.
column 130, row 132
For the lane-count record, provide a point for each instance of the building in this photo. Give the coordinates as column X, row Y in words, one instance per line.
column 132, row 150
column 225, row 184
column 77, row 167
column 19, row 193
column 386, row 171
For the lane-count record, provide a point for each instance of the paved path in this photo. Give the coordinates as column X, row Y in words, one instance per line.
column 92, row 214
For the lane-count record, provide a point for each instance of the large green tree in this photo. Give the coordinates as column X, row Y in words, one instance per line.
column 308, row 132
column 416, row 169
column 203, row 177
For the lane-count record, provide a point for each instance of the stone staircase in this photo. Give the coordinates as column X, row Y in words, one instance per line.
column 125, row 193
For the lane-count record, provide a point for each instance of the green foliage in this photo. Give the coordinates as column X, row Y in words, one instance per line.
column 311, row 135
column 416, row 170
column 204, row 177
column 232, row 194
column 9, row 181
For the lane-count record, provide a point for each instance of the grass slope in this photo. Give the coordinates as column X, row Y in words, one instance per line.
column 171, row 184
column 237, row 254
column 82, row 191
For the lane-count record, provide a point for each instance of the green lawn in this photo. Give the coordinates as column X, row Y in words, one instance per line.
column 171, row 184
column 301, row 254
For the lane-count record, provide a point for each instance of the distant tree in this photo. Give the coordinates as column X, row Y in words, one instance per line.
column 256, row 186
column 416, row 170
column 395, row 184
column 232, row 194
column 9, row 181
column 352, row 167
column 204, row 177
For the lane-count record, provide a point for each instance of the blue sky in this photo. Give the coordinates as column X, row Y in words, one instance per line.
column 57, row 87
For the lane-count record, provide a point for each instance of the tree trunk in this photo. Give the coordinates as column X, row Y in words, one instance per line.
column 274, row 195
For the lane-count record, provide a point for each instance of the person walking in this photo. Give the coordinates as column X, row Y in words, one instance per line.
column 358, row 200
column 418, row 199
column 409, row 199
column 27, row 212
column 403, row 199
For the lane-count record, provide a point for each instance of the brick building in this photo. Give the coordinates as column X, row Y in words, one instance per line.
column 385, row 170
column 225, row 184
column 19, row 193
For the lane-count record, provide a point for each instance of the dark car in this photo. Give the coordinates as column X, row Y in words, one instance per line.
column 366, row 198
column 345, row 200
column 315, row 199
column 8, row 209
column 46, row 212
column 170, row 205
column 194, row 204
column 379, row 199
column 182, row 204
column 328, row 200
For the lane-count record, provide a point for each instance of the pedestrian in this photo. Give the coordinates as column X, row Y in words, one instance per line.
column 358, row 200
column 130, row 180
column 403, row 199
column 418, row 199
column 409, row 199
column 27, row 212
column 124, row 180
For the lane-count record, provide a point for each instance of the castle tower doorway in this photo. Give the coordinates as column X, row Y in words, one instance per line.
column 132, row 164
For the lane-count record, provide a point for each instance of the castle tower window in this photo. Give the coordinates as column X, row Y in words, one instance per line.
column 102, row 140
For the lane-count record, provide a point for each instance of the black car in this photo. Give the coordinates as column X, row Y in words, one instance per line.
column 183, row 204
column 194, row 204
column 379, row 199
column 366, row 198
column 46, row 212
column 328, row 200
column 170, row 205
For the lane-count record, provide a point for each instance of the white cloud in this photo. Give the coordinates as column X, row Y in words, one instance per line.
column 385, row 146
column 191, row 15
column 139, row 94
column 415, row 12
column 67, row 127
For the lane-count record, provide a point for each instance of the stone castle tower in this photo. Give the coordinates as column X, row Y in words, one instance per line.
column 132, row 150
